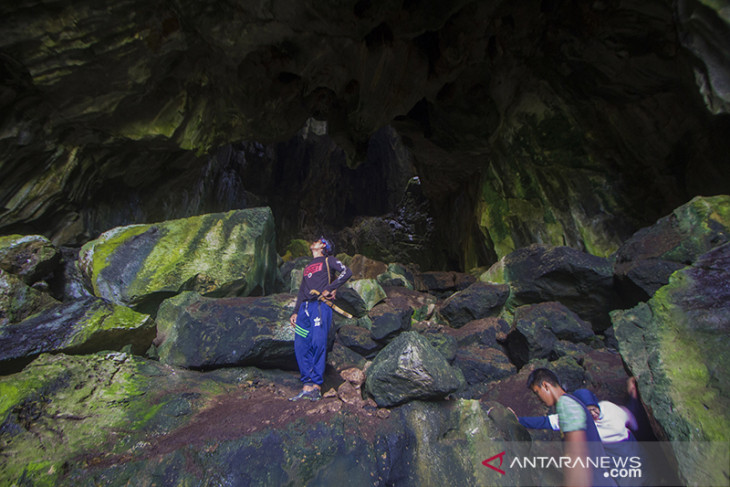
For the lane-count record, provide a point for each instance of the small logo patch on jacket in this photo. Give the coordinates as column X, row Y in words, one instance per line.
column 312, row 268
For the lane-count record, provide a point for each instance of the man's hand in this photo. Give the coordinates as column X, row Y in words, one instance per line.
column 293, row 320
column 329, row 294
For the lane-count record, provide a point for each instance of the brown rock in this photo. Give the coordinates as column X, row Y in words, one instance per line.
column 354, row 376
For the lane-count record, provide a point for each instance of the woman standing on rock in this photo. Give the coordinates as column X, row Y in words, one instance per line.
column 312, row 317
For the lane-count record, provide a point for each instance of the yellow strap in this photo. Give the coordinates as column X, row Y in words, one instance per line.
column 329, row 276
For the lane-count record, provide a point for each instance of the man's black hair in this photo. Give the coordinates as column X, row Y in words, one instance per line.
column 538, row 376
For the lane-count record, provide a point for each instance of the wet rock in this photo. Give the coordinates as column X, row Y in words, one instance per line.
column 83, row 326
column 220, row 254
column 388, row 321
column 72, row 284
column 422, row 304
column 365, row 268
column 350, row 300
column 341, row 357
column 18, row 301
column 580, row 281
column 61, row 410
column 487, row 332
column 443, row 283
column 291, row 274
column 409, row 368
column 359, row 340
column 369, row 291
column 429, row 425
column 481, row 365
column 539, row 329
column 439, row 339
column 676, row 345
column 203, row 333
column 398, row 275
column 479, row 300
column 646, row 260
column 30, row 257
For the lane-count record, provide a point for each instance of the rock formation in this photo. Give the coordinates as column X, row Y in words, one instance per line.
column 517, row 184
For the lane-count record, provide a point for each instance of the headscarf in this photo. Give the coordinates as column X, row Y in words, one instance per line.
column 586, row 397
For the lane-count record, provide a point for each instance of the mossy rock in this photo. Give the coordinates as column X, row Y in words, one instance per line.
column 297, row 248
column 219, row 254
column 83, row 326
column 205, row 333
column 30, row 257
column 19, row 301
column 410, row 368
column 62, row 412
column 646, row 260
column 369, row 290
column 676, row 345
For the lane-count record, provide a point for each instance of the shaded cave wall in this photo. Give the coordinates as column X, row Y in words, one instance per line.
column 548, row 121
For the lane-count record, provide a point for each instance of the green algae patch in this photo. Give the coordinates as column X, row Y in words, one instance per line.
column 81, row 326
column 686, row 353
column 220, row 254
column 94, row 255
column 676, row 345
column 369, row 290
column 61, row 411
column 102, row 321
column 296, row 248
column 167, row 120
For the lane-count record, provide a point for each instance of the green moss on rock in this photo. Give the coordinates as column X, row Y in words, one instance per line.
column 219, row 254
column 676, row 345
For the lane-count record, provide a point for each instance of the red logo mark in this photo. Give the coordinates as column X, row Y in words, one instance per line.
column 501, row 458
column 311, row 269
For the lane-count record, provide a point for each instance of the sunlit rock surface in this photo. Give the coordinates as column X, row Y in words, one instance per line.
column 216, row 254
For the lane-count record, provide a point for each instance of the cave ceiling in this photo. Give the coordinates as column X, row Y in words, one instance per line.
column 551, row 121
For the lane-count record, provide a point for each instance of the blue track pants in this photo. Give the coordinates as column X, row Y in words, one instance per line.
column 310, row 340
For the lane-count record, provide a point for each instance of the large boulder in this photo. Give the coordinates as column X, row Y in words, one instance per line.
column 479, row 300
column 219, row 254
column 646, row 260
column 203, row 333
column 676, row 345
column 83, row 326
column 31, row 257
column 409, row 368
column 539, row 328
column 18, row 301
column 582, row 282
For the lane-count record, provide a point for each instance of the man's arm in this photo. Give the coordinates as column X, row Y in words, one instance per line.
column 540, row 422
column 342, row 277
